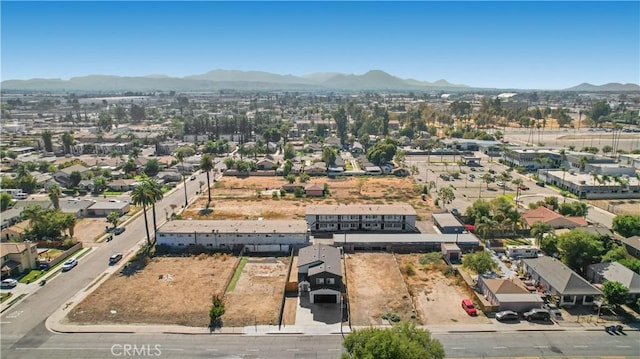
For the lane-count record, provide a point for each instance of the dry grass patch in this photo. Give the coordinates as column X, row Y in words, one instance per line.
column 436, row 291
column 375, row 287
column 168, row 290
column 257, row 295
column 236, row 198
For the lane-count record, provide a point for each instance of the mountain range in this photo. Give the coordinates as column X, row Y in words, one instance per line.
column 258, row 80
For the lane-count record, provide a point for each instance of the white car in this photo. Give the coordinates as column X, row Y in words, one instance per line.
column 500, row 184
column 68, row 265
column 9, row 283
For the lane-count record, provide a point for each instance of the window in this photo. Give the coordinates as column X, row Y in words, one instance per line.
column 319, row 280
column 331, row 281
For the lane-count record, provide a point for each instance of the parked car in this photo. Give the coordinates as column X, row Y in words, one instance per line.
column 118, row 230
column 473, row 169
column 500, row 184
column 69, row 264
column 492, row 171
column 507, row 315
column 468, row 307
column 115, row 258
column 537, row 314
column 455, row 212
column 523, row 187
column 193, row 177
column 9, row 283
column 540, row 183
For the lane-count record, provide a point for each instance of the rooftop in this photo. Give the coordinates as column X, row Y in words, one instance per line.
column 361, row 209
column 231, row 226
column 560, row 277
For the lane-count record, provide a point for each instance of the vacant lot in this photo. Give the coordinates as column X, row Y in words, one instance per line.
column 375, row 287
column 167, row 290
column 90, row 229
column 616, row 206
column 437, row 296
column 249, row 198
column 257, row 295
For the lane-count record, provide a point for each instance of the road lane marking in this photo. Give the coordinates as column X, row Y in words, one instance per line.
column 580, row 346
column 212, row 350
column 252, row 350
column 499, row 347
column 623, row 346
column 541, row 346
column 5, row 322
column 458, row 348
column 293, row 350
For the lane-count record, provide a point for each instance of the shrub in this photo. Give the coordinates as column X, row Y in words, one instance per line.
column 216, row 311
column 410, row 269
column 392, row 317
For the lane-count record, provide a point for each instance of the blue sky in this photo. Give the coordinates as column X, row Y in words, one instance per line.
column 542, row 45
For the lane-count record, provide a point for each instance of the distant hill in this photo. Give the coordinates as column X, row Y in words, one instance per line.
column 612, row 87
column 230, row 79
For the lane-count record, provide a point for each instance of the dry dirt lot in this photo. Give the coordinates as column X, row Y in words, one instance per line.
column 88, row 230
column 437, row 296
column 257, row 295
column 375, row 286
column 181, row 296
column 617, row 206
column 236, row 198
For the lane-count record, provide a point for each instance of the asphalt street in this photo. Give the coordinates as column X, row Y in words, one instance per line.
column 457, row 345
column 22, row 320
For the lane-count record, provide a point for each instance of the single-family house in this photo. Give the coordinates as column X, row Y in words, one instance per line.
column 320, row 273
column 77, row 207
column 316, row 169
column 64, row 175
column 615, row 272
column 357, row 148
column 102, row 209
column 632, row 245
column 508, row 294
column 447, row 223
column 555, row 278
column 14, row 232
column 169, row 176
column 17, row 258
column 266, row 164
column 122, row 185
column 314, row 190
column 552, row 219
column 10, row 217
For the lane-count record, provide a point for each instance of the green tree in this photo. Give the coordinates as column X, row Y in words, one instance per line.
column 627, row 225
column 329, row 156
column 478, row 209
column 402, row 341
column 539, row 230
column 100, row 183
column 289, row 151
column 579, row 249
column 105, row 122
column 137, row 113
column 75, row 177
column 383, row 151
column 113, row 218
column 68, row 141
column 140, row 196
column 152, row 167
column 5, row 201
column 486, row 178
column 154, row 190
column 549, row 244
column 479, row 262
column 54, row 192
column 340, row 116
column 47, row 139
column 206, row 164
column 291, row 178
column 216, row 311
column 599, row 111
column 615, row 293
column 615, row 254
column 446, row 196
column 181, row 154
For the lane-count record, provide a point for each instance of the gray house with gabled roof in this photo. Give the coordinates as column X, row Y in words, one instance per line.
column 320, row 273
column 555, row 278
column 615, row 272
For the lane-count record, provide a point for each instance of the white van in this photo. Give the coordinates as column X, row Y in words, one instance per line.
column 20, row 196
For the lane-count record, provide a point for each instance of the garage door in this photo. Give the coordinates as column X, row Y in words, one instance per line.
column 325, row 298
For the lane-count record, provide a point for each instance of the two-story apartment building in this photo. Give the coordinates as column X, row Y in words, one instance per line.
column 361, row 218
column 247, row 235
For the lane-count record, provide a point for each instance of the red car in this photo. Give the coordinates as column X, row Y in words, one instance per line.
column 468, row 307
column 523, row 187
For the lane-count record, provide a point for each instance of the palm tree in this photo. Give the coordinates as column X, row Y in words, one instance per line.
column 538, row 231
column 518, row 182
column 206, row 164
column 33, row 214
column 54, row 192
column 140, row 196
column 484, row 226
column 112, row 218
column 596, row 178
column 69, row 223
column 486, row 178
column 180, row 156
column 155, row 191
column 505, row 177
